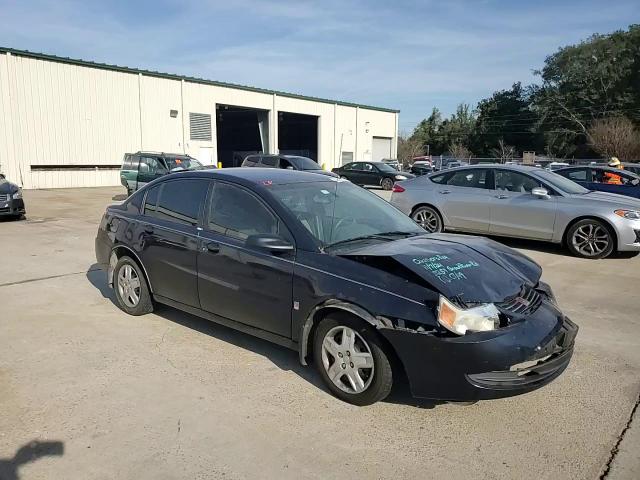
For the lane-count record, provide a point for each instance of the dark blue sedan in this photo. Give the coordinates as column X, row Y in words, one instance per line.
column 594, row 178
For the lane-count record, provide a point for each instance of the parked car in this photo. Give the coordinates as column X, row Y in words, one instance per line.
column 392, row 163
column 522, row 202
column 593, row 178
column 421, row 168
column 445, row 163
column 372, row 174
column 290, row 162
column 556, row 166
column 140, row 168
column 333, row 271
column 11, row 201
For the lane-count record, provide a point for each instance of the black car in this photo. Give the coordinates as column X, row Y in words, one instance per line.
column 372, row 174
column 11, row 201
column 289, row 162
column 333, row 271
column 595, row 178
column 419, row 169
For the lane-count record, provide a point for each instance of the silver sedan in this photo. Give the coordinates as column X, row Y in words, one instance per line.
column 522, row 202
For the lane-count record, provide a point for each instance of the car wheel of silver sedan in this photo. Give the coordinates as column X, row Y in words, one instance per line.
column 590, row 238
column 351, row 360
column 428, row 218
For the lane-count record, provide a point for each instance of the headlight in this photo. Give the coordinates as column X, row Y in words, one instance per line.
column 477, row 319
column 17, row 195
column 400, row 177
column 628, row 214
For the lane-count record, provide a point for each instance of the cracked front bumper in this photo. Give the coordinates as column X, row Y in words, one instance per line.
column 484, row 365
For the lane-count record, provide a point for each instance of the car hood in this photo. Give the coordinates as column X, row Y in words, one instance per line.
column 471, row 269
column 615, row 199
column 7, row 187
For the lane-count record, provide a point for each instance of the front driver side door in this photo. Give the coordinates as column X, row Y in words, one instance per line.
column 249, row 286
column 515, row 212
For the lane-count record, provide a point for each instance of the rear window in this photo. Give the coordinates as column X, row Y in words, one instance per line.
column 151, row 201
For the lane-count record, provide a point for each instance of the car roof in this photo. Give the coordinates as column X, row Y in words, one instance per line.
column 517, row 168
column 599, row 167
column 256, row 175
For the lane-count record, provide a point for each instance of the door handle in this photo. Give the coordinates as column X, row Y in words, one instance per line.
column 444, row 192
column 213, row 247
column 502, row 197
column 148, row 229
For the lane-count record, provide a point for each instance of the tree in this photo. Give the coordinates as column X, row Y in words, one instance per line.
column 458, row 150
column 507, row 116
column 615, row 137
column 582, row 83
column 504, row 152
column 408, row 148
column 436, row 134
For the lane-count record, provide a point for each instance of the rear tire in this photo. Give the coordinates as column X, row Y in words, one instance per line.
column 340, row 344
column 590, row 238
column 387, row 184
column 428, row 218
column 130, row 285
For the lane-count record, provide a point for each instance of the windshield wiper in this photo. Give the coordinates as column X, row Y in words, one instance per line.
column 373, row 236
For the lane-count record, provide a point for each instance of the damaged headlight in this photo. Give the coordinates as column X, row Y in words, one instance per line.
column 18, row 194
column 477, row 319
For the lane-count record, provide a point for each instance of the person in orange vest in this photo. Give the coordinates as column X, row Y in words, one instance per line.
column 610, row 177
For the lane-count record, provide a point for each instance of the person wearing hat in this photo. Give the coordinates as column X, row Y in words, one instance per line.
column 610, row 177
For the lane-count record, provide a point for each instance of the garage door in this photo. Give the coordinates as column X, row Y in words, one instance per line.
column 381, row 148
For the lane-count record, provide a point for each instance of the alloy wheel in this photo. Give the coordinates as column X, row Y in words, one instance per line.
column 347, row 359
column 129, row 286
column 591, row 240
column 387, row 184
column 427, row 219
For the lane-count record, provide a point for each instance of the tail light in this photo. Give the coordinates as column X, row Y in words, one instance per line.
column 397, row 189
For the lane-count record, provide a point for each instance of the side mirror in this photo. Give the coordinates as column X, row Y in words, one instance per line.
column 268, row 242
column 540, row 192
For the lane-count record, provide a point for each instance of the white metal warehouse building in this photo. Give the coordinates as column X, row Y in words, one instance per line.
column 68, row 123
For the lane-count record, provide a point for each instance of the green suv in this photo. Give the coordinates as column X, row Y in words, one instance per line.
column 140, row 168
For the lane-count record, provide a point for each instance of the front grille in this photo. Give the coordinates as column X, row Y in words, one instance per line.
column 4, row 197
column 525, row 303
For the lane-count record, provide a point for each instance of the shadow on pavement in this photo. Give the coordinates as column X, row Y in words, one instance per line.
column 282, row 357
column 28, row 453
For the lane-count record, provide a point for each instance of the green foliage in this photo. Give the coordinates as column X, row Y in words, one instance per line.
column 439, row 134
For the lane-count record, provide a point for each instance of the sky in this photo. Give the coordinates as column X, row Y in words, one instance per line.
column 411, row 56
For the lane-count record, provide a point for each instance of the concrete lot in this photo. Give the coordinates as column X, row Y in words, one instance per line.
column 170, row 396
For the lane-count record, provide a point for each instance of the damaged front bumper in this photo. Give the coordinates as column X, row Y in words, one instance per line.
column 509, row 361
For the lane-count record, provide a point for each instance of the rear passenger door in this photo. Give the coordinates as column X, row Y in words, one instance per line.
column 169, row 238
column 465, row 201
column 250, row 286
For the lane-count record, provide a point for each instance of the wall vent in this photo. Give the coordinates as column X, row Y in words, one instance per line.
column 200, row 126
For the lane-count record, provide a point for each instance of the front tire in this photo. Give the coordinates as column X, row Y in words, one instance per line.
column 130, row 285
column 428, row 218
column 352, row 360
column 387, row 184
column 590, row 238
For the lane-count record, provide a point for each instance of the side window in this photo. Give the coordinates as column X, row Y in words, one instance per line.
column 126, row 164
column 181, row 200
column 439, row 178
column 511, row 181
column 135, row 202
column 475, row 178
column 578, row 175
column 238, row 214
column 269, row 161
column 152, row 166
column 250, row 161
column 367, row 167
column 151, row 201
column 349, row 166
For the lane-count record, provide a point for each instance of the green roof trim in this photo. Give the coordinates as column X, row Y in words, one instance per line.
column 172, row 76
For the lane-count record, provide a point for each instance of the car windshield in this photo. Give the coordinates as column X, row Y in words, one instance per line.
column 303, row 163
column 182, row 163
column 384, row 167
column 561, row 183
column 338, row 212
